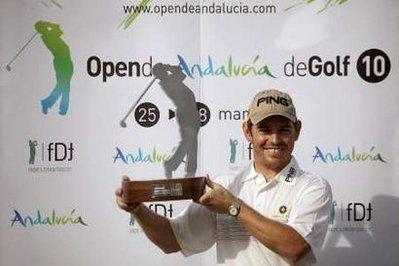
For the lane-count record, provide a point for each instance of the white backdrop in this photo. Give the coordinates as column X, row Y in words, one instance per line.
column 350, row 123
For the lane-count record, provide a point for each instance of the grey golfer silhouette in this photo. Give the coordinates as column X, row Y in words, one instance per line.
column 233, row 150
column 32, row 151
column 171, row 81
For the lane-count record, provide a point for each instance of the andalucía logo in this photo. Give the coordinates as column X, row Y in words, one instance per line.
column 141, row 155
column 40, row 218
column 352, row 155
column 50, row 157
column 224, row 68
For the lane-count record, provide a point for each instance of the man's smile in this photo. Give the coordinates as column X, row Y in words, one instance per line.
column 274, row 150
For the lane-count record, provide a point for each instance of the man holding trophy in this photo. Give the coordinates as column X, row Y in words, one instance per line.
column 272, row 213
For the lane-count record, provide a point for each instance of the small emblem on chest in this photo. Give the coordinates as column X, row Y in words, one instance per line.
column 282, row 209
column 282, row 213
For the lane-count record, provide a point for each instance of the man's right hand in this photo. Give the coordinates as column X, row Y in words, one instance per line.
column 156, row 227
column 119, row 198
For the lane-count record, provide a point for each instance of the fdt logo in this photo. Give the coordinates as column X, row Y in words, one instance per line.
column 51, row 152
column 350, row 216
column 50, row 157
column 59, row 151
column 165, row 210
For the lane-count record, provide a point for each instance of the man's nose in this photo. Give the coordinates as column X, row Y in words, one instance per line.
column 275, row 138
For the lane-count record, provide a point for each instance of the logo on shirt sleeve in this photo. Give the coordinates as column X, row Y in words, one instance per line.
column 290, row 177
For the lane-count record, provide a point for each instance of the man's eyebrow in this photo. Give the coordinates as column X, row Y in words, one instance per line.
column 286, row 126
column 262, row 125
column 262, row 128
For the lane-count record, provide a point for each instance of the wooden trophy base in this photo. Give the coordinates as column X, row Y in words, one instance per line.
column 163, row 189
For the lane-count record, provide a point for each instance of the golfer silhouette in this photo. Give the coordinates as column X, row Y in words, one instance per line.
column 233, row 150
column 171, row 81
column 32, row 151
column 63, row 66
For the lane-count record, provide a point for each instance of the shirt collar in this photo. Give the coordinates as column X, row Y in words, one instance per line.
column 287, row 175
column 251, row 174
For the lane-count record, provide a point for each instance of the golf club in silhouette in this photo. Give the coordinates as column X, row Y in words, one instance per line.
column 8, row 66
column 122, row 123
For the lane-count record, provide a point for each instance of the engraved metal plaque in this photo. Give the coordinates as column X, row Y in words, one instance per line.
column 163, row 190
column 167, row 190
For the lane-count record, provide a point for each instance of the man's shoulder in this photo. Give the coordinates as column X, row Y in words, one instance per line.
column 311, row 182
column 312, row 178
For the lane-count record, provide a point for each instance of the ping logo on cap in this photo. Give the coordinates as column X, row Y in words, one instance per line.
column 271, row 99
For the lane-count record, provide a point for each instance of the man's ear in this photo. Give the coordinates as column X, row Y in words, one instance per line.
column 298, row 126
column 247, row 131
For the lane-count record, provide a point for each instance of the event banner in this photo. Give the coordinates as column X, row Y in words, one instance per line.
column 94, row 90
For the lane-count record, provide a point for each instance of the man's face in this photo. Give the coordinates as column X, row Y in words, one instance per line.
column 273, row 141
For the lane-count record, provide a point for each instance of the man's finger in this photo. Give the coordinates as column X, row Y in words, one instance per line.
column 118, row 192
column 124, row 206
column 209, row 182
column 125, row 178
column 205, row 198
column 121, row 204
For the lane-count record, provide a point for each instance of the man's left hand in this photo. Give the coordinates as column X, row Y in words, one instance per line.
column 217, row 198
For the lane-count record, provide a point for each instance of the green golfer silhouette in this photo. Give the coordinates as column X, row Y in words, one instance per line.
column 63, row 65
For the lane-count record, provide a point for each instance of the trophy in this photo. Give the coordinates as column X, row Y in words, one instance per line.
column 163, row 189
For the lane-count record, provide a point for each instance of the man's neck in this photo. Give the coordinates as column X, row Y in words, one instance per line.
column 269, row 172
